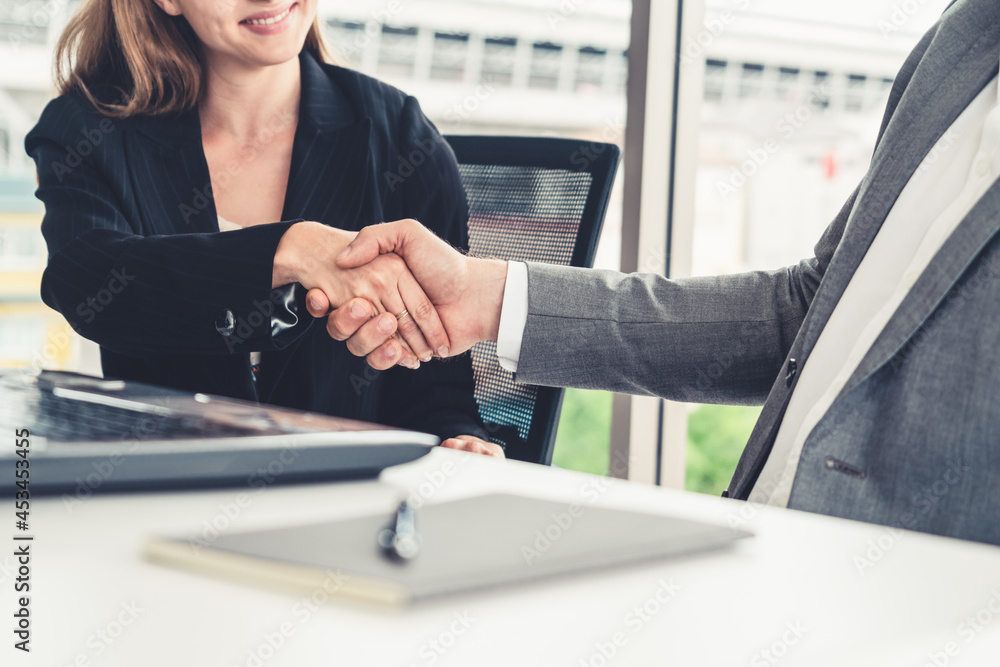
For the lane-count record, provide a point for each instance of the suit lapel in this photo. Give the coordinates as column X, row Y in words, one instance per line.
column 170, row 175
column 331, row 157
column 934, row 284
column 961, row 59
column 328, row 180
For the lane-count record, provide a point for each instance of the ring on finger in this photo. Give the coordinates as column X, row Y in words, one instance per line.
column 403, row 314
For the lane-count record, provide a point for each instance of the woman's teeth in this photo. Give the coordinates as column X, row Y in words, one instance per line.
column 273, row 19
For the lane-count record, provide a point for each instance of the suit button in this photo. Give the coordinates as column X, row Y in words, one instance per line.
column 225, row 323
column 793, row 369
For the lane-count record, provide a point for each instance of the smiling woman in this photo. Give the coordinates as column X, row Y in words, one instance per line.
column 227, row 165
column 158, row 51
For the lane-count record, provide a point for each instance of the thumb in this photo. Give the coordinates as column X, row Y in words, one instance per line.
column 317, row 303
column 370, row 242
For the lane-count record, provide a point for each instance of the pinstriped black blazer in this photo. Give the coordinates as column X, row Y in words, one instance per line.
column 137, row 262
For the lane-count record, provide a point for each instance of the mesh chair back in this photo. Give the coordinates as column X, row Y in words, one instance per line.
column 539, row 200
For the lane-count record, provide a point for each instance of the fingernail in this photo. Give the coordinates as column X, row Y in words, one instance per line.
column 426, row 356
column 344, row 253
column 385, row 324
column 359, row 310
column 392, row 351
column 443, row 351
column 314, row 303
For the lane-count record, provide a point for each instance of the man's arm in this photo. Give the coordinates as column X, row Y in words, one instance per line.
column 720, row 339
column 717, row 339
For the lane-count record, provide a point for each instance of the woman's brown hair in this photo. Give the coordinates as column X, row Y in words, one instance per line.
column 129, row 57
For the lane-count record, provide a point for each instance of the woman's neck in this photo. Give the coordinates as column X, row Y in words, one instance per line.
column 245, row 104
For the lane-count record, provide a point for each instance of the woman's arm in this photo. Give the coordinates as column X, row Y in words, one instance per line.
column 179, row 293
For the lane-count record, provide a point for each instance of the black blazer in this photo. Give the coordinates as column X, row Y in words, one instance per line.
column 137, row 262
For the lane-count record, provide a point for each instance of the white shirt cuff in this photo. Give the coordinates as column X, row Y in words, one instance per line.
column 513, row 316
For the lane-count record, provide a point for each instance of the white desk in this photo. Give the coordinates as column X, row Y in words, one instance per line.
column 799, row 571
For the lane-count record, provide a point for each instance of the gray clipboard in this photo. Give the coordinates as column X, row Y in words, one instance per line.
column 465, row 544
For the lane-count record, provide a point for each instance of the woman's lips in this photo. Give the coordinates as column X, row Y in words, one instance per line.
column 267, row 23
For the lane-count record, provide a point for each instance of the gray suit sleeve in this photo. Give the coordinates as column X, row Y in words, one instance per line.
column 719, row 339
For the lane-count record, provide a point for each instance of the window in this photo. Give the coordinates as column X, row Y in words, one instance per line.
column 450, row 54
column 546, row 59
column 348, row 39
column 591, row 65
column 397, row 51
column 499, row 54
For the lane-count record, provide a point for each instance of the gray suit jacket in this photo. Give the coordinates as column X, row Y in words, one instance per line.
column 918, row 424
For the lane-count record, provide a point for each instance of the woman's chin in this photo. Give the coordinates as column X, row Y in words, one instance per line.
column 270, row 57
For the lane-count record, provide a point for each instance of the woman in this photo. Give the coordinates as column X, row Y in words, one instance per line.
column 201, row 169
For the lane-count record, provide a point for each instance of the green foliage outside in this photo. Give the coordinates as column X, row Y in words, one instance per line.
column 716, row 436
column 583, row 440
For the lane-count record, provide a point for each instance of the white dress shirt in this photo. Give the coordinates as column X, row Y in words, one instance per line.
column 952, row 178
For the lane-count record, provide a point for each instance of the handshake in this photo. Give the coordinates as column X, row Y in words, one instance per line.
column 389, row 278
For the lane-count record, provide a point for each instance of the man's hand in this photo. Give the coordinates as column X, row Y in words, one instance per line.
column 467, row 292
column 470, row 443
column 307, row 254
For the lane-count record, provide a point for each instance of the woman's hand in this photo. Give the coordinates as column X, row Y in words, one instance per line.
column 307, row 254
column 470, row 443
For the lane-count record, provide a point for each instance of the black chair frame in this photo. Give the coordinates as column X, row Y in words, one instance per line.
column 598, row 159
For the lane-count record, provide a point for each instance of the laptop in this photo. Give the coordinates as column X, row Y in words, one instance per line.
column 84, row 434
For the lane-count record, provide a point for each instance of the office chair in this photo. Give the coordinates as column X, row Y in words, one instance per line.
column 540, row 200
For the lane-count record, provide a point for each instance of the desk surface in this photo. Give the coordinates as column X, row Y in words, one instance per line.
column 807, row 590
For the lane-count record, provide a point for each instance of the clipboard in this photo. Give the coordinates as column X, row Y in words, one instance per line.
column 467, row 544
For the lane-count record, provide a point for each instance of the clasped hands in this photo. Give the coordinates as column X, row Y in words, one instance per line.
column 399, row 294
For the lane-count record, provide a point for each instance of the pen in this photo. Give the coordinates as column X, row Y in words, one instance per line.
column 400, row 542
